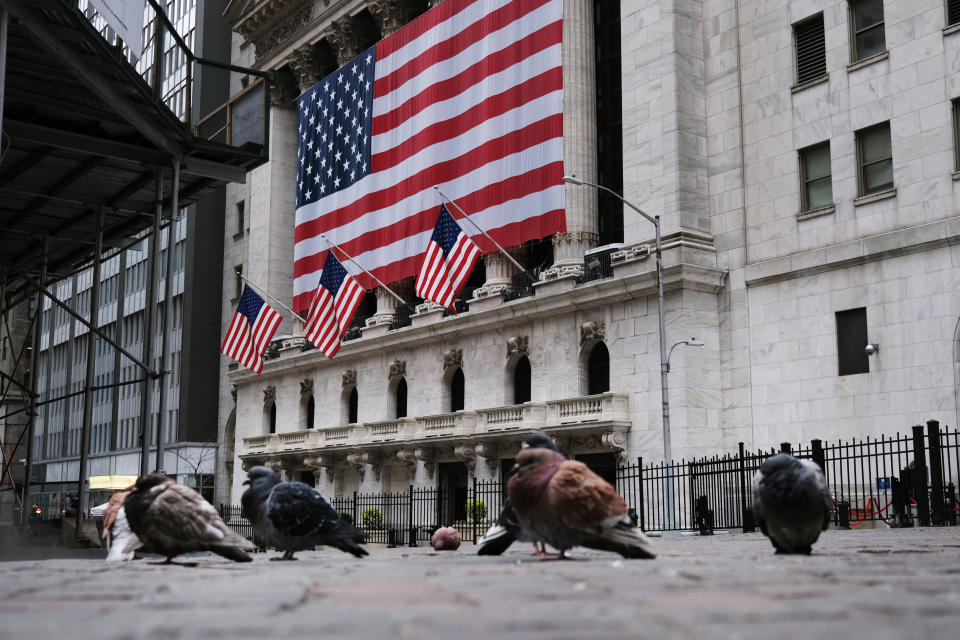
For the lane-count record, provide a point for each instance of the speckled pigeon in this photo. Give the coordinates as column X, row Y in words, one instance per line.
column 171, row 519
column 791, row 502
column 293, row 516
column 566, row 504
column 500, row 536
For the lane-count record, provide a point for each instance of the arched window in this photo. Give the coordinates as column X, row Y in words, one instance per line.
column 272, row 418
column 456, row 390
column 310, row 412
column 401, row 398
column 353, row 402
column 521, row 381
column 598, row 370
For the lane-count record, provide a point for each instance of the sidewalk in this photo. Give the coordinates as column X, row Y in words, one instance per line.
column 877, row 584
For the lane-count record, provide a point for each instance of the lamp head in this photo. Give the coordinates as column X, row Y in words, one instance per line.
column 572, row 179
column 693, row 342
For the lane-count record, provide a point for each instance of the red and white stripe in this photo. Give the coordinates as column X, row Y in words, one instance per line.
column 246, row 344
column 441, row 279
column 330, row 317
column 469, row 97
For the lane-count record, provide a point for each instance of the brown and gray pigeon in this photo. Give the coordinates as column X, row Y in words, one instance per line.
column 171, row 519
column 791, row 502
column 566, row 504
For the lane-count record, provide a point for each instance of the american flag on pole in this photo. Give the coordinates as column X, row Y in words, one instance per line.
column 469, row 97
column 334, row 304
column 449, row 261
column 251, row 330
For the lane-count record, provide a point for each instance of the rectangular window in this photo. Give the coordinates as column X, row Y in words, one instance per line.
column 239, row 284
column 866, row 26
column 811, row 49
column 852, row 342
column 815, row 177
column 874, row 159
column 240, row 215
column 956, row 129
column 953, row 12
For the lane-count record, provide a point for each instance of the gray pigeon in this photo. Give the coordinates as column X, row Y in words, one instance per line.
column 566, row 504
column 293, row 516
column 791, row 502
column 170, row 519
column 508, row 529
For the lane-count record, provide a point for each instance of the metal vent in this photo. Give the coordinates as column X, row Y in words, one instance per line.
column 953, row 12
column 811, row 49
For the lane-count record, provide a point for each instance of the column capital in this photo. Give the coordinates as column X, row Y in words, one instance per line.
column 344, row 39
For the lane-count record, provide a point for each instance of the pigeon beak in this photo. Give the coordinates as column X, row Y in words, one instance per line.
column 246, row 482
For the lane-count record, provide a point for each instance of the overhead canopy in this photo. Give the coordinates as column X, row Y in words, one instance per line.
column 82, row 132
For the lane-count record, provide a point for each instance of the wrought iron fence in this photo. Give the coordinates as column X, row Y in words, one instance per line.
column 897, row 480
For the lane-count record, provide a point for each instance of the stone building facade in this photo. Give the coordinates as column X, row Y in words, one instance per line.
column 729, row 120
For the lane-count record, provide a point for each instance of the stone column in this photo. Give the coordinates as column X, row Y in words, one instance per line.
column 343, row 38
column 305, row 63
column 579, row 133
column 387, row 304
column 499, row 272
column 391, row 14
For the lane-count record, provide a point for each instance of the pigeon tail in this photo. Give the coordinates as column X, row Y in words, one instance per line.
column 624, row 539
column 347, row 538
column 495, row 541
column 231, row 553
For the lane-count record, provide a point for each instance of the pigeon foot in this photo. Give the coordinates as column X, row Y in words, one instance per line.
column 287, row 555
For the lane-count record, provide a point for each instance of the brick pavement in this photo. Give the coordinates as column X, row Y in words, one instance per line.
column 873, row 584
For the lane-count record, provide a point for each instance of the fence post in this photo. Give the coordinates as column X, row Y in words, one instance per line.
column 920, row 477
column 640, row 483
column 936, row 473
column 816, row 447
column 356, row 520
column 474, row 510
column 746, row 513
column 785, row 447
column 413, row 527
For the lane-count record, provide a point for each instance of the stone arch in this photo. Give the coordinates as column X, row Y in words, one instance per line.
column 594, row 368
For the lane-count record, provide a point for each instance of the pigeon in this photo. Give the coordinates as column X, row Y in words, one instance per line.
column 566, row 504
column 170, row 519
column 445, row 539
column 791, row 502
column 293, row 516
column 508, row 529
column 116, row 529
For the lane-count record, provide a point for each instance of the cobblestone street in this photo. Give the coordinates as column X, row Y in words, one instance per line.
column 858, row 584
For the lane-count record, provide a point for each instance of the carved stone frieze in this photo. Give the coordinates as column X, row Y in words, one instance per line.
column 592, row 330
column 616, row 440
column 349, row 378
column 408, row 458
column 283, row 89
column 275, row 31
column 391, row 14
column 361, row 460
column 233, row 392
column 570, row 237
column 428, row 457
column 306, row 386
column 397, row 369
column 321, row 464
column 488, row 452
column 452, row 358
column 269, row 394
column 518, row 345
column 305, row 63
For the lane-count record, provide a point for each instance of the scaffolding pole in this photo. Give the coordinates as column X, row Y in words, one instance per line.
column 149, row 310
column 162, row 417
column 34, row 356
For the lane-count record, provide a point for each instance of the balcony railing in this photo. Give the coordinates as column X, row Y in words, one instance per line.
column 567, row 413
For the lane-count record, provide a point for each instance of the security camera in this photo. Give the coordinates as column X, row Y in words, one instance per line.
column 871, row 349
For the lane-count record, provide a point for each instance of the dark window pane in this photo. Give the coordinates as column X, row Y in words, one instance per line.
column 877, row 177
column 867, row 13
column 817, row 162
column 851, row 342
column 456, row 391
column 521, row 381
column 871, row 42
column 598, row 370
column 352, row 409
column 819, row 193
column 310, row 413
column 402, row 399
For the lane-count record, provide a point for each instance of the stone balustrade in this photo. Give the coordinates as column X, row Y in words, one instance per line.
column 602, row 409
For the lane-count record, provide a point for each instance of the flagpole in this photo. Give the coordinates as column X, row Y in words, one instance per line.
column 295, row 315
column 466, row 217
column 350, row 258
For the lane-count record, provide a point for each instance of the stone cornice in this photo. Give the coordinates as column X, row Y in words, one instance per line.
column 559, row 297
column 847, row 254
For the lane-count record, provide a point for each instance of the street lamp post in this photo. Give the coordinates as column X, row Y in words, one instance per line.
column 664, row 356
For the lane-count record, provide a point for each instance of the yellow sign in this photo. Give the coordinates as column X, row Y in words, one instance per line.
column 111, row 482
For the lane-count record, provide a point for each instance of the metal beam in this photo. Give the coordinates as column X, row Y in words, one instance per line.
column 38, row 134
column 218, row 170
column 26, row 164
column 34, row 358
column 149, row 311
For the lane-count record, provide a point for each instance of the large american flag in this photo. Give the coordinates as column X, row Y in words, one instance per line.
column 336, row 300
column 468, row 97
column 250, row 331
column 449, row 261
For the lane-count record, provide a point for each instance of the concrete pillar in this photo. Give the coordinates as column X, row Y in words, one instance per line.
column 579, row 132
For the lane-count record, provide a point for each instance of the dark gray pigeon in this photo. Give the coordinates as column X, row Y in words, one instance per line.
column 791, row 502
column 508, row 529
column 170, row 519
column 293, row 516
column 566, row 504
